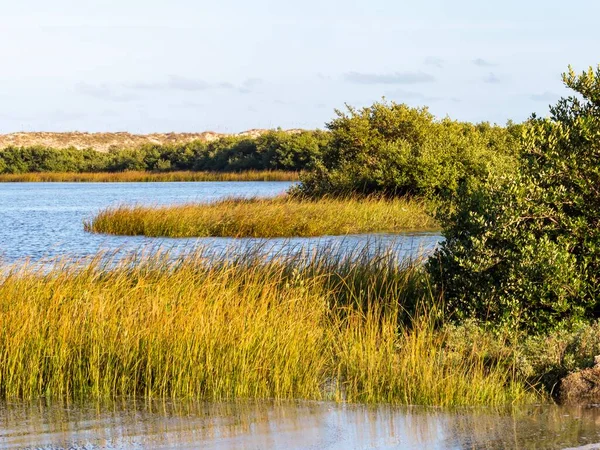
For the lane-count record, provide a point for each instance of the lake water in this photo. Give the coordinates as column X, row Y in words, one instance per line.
column 304, row 425
column 45, row 220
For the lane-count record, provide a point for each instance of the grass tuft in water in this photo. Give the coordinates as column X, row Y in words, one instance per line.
column 358, row 328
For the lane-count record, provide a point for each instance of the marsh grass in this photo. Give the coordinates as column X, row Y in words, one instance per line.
column 314, row 326
column 142, row 176
column 284, row 216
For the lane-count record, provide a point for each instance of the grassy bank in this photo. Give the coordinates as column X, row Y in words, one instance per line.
column 275, row 217
column 143, row 176
column 323, row 327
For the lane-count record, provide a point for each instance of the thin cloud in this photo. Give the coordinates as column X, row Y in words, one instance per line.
column 144, row 86
column 63, row 116
column 104, row 92
column 109, row 113
column 250, row 84
column 190, row 104
column 253, row 82
column 180, row 83
column 402, row 95
column 389, row 78
column 15, row 117
column 544, row 97
column 187, row 84
column 480, row 62
column 174, row 82
column 491, row 78
column 434, row 61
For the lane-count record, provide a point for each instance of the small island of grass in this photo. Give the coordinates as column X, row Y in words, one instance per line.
column 284, row 216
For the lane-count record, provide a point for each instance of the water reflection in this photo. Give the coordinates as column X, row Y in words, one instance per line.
column 298, row 425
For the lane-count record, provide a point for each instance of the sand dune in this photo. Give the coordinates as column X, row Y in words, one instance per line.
column 105, row 141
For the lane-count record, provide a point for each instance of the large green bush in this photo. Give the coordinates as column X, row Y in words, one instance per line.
column 394, row 149
column 524, row 250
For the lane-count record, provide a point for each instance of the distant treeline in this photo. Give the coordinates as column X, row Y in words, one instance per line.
column 275, row 150
column 386, row 148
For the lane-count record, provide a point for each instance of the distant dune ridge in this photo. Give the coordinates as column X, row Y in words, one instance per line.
column 103, row 142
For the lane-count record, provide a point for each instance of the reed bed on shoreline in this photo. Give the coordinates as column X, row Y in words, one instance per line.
column 284, row 216
column 319, row 326
column 141, row 176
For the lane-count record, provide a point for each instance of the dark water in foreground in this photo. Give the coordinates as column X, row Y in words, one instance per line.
column 304, row 425
column 45, row 220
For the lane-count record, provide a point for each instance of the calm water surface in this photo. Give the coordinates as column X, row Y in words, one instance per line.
column 39, row 220
column 304, row 425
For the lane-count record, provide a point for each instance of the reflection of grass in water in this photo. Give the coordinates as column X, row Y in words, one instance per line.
column 141, row 176
column 258, row 423
column 283, row 216
column 311, row 327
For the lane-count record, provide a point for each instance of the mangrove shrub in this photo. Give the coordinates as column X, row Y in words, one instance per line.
column 524, row 249
column 394, row 149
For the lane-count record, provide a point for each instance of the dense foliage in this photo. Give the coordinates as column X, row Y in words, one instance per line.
column 398, row 150
column 275, row 150
column 525, row 249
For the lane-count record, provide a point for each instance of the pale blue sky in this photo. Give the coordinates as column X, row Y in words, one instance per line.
column 229, row 65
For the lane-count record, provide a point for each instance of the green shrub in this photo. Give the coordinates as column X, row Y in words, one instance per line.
column 393, row 149
column 524, row 250
column 290, row 151
column 541, row 360
column 42, row 159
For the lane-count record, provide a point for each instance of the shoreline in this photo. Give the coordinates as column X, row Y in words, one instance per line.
column 147, row 176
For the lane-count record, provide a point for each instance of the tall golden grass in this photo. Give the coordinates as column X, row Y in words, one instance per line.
column 285, row 216
column 141, row 176
column 320, row 326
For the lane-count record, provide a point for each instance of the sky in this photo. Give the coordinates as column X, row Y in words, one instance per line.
column 148, row 66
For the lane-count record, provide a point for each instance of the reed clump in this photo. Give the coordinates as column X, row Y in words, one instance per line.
column 147, row 176
column 285, row 216
column 320, row 326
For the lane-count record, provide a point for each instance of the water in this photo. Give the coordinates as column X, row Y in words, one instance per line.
column 303, row 425
column 45, row 220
